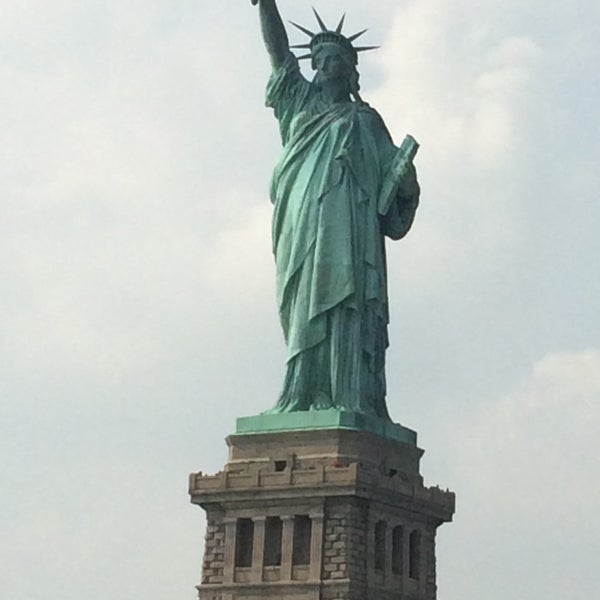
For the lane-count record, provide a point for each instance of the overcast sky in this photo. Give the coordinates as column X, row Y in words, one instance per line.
column 137, row 310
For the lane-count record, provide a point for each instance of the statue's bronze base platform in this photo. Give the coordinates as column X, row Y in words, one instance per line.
column 325, row 419
column 319, row 515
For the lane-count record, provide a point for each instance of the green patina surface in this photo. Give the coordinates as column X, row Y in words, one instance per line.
column 325, row 419
column 340, row 188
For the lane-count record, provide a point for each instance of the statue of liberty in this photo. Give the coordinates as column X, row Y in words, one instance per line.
column 339, row 187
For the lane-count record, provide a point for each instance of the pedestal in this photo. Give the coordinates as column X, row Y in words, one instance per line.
column 320, row 514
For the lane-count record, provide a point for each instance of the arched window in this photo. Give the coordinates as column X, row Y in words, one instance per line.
column 302, row 534
column 272, row 554
column 380, row 531
column 244, row 542
column 414, row 559
column 397, row 549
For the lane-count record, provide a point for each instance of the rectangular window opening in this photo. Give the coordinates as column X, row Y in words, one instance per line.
column 273, row 531
column 380, row 532
column 414, row 561
column 244, row 542
column 302, row 536
column 397, row 554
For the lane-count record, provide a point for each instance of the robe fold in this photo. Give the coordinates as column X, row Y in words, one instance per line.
column 328, row 242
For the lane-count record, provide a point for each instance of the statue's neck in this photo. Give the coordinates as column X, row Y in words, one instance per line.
column 334, row 91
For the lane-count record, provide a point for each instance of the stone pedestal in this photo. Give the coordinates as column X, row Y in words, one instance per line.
column 319, row 515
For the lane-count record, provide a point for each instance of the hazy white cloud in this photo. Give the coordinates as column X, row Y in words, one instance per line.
column 543, row 435
column 525, row 467
column 137, row 311
column 462, row 92
column 118, row 211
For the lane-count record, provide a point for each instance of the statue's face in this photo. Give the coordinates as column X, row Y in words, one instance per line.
column 331, row 62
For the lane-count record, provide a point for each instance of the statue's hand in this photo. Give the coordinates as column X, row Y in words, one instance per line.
column 408, row 180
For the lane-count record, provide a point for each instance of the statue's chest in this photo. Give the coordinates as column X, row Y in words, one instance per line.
column 318, row 120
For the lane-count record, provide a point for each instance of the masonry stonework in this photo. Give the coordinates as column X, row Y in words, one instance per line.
column 371, row 522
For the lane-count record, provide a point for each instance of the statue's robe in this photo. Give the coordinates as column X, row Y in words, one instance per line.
column 328, row 241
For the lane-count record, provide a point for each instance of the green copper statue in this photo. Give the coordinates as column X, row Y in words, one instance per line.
column 339, row 188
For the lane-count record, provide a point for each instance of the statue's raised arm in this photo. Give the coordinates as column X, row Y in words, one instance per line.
column 273, row 31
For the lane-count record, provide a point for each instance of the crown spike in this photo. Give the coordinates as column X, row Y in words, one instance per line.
column 320, row 21
column 365, row 48
column 303, row 29
column 303, row 46
column 305, row 56
column 357, row 35
column 341, row 24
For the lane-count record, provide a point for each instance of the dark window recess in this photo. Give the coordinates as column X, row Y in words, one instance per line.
column 244, row 542
column 273, row 542
column 280, row 465
column 397, row 545
column 380, row 551
column 414, row 558
column 302, row 533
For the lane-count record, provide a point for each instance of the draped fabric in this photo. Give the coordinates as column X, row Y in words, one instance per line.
column 328, row 242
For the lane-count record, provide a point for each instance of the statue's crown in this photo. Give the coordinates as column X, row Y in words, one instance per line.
column 329, row 36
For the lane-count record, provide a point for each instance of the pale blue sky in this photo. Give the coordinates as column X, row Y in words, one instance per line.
column 137, row 311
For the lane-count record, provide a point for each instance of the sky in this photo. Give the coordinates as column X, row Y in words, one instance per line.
column 137, row 306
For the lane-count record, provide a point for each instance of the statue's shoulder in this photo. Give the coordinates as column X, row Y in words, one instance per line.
column 287, row 87
column 289, row 67
column 369, row 115
column 366, row 111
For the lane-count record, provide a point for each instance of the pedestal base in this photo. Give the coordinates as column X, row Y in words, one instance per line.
column 325, row 514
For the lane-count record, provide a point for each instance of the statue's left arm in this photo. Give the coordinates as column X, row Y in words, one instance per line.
column 400, row 191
